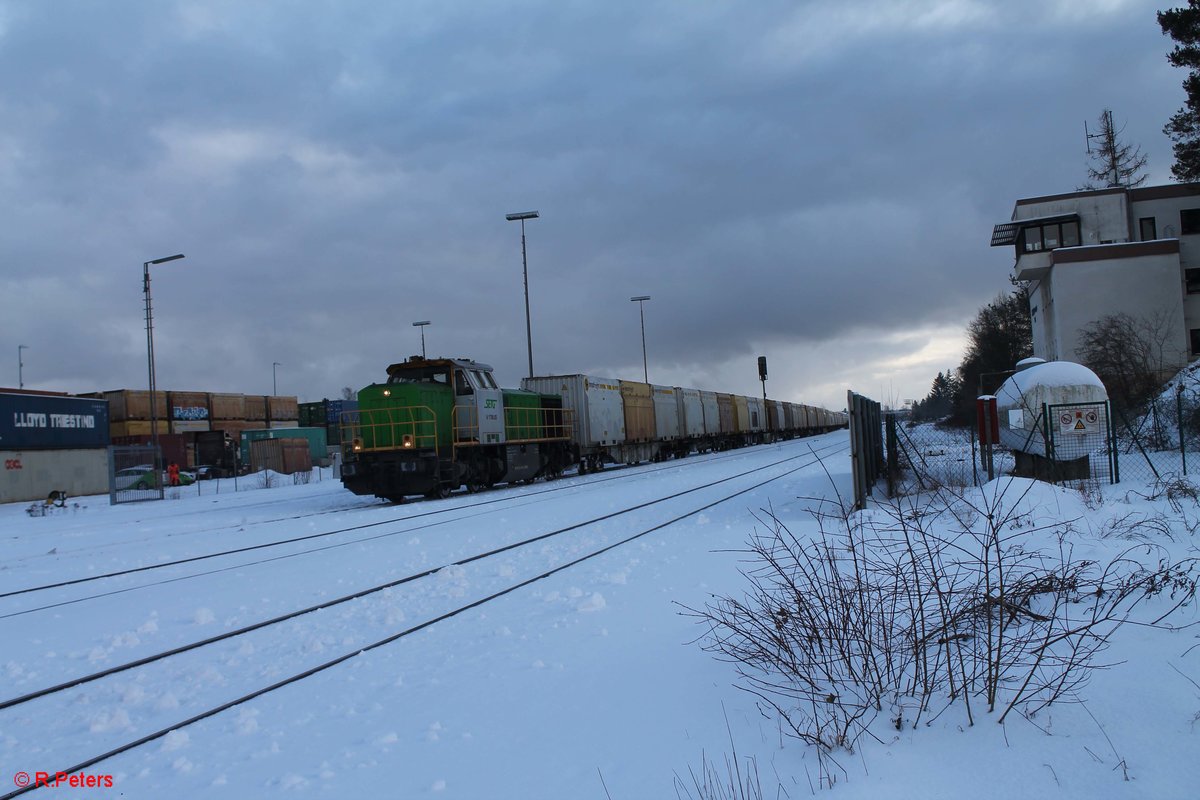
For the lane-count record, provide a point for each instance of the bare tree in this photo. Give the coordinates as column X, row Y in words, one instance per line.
column 1113, row 163
column 1133, row 356
column 348, row 393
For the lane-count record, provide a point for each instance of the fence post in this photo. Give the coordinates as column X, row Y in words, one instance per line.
column 893, row 457
column 1179, row 425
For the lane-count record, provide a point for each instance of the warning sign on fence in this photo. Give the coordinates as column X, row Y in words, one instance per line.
column 1078, row 420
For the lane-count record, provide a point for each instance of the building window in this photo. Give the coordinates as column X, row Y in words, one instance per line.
column 1149, row 229
column 1050, row 236
column 1189, row 221
column 1195, row 337
column 1191, row 278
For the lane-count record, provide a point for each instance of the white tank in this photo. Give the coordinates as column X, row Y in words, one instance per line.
column 1021, row 399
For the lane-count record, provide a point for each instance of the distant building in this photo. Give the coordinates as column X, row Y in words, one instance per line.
column 1093, row 253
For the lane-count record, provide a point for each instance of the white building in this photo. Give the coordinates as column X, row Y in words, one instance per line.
column 1093, row 253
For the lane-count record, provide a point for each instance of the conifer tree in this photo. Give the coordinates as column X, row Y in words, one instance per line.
column 1114, row 163
column 1183, row 26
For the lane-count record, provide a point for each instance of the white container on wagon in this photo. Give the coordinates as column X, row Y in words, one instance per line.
column 758, row 415
column 712, row 412
column 666, row 413
column 599, row 417
column 691, row 411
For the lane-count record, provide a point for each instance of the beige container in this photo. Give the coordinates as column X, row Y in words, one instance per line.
column 282, row 408
column 136, row 427
column 132, row 404
column 227, row 406
column 638, row 399
column 256, row 407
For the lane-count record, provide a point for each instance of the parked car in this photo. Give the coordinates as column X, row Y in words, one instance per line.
column 142, row 477
column 207, row 472
column 139, row 477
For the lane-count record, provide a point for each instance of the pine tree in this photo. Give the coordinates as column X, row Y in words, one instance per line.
column 1183, row 26
column 999, row 336
column 1113, row 162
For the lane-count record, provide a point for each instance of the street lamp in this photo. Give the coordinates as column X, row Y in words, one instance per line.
column 150, row 358
column 640, row 300
column 522, row 216
column 274, row 381
column 21, row 366
column 422, row 325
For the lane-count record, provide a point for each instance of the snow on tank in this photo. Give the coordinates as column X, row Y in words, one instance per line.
column 1068, row 388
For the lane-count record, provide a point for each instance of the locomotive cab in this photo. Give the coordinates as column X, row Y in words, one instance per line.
column 439, row 423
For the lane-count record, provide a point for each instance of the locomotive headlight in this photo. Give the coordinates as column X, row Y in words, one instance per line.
column 357, row 445
column 408, row 441
column 387, row 392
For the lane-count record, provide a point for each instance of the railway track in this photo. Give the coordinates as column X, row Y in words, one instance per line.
column 596, row 479
column 778, row 469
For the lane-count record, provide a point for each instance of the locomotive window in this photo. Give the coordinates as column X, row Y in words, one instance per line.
column 462, row 386
column 484, row 379
column 420, row 376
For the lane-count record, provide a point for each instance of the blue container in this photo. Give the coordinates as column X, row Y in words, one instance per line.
column 50, row 422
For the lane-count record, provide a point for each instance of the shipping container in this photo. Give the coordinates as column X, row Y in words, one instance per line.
column 639, row 411
column 318, row 445
column 741, row 414
column 691, row 412
column 174, row 446
column 127, row 404
column 757, row 414
column 599, row 419
column 234, row 427
column 789, row 421
column 256, row 407
column 712, row 412
column 285, row 456
column 51, row 422
column 188, row 406
column 227, row 406
column 725, row 413
column 281, row 408
column 190, row 426
column 138, row 427
column 666, row 413
column 34, row 474
column 312, row 415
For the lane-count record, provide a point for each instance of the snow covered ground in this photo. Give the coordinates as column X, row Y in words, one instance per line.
column 584, row 683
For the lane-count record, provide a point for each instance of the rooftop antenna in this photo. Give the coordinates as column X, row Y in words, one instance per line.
column 1109, row 135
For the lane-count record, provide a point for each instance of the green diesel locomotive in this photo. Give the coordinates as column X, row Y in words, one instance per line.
column 438, row 424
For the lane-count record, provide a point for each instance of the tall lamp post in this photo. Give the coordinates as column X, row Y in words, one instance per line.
column 21, row 366
column 522, row 216
column 640, row 300
column 274, row 380
column 422, row 325
column 150, row 358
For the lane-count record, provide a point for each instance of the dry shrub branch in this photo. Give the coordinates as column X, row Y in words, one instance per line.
column 923, row 609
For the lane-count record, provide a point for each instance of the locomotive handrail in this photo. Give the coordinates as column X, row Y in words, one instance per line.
column 521, row 425
column 398, row 427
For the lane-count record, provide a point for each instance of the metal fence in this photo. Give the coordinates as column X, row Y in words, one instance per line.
column 1160, row 439
column 134, row 474
column 1073, row 443
column 866, row 445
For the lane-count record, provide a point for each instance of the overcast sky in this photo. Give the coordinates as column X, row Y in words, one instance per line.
column 807, row 180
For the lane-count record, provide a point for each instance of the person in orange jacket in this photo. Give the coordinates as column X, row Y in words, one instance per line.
column 173, row 473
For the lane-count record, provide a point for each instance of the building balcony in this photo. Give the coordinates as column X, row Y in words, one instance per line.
column 1033, row 266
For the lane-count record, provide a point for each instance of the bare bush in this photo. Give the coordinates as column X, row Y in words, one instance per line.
column 929, row 608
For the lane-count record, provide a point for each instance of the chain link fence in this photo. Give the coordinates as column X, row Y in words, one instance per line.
column 1161, row 439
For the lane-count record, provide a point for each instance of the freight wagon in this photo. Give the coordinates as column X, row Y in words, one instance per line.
column 438, row 424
